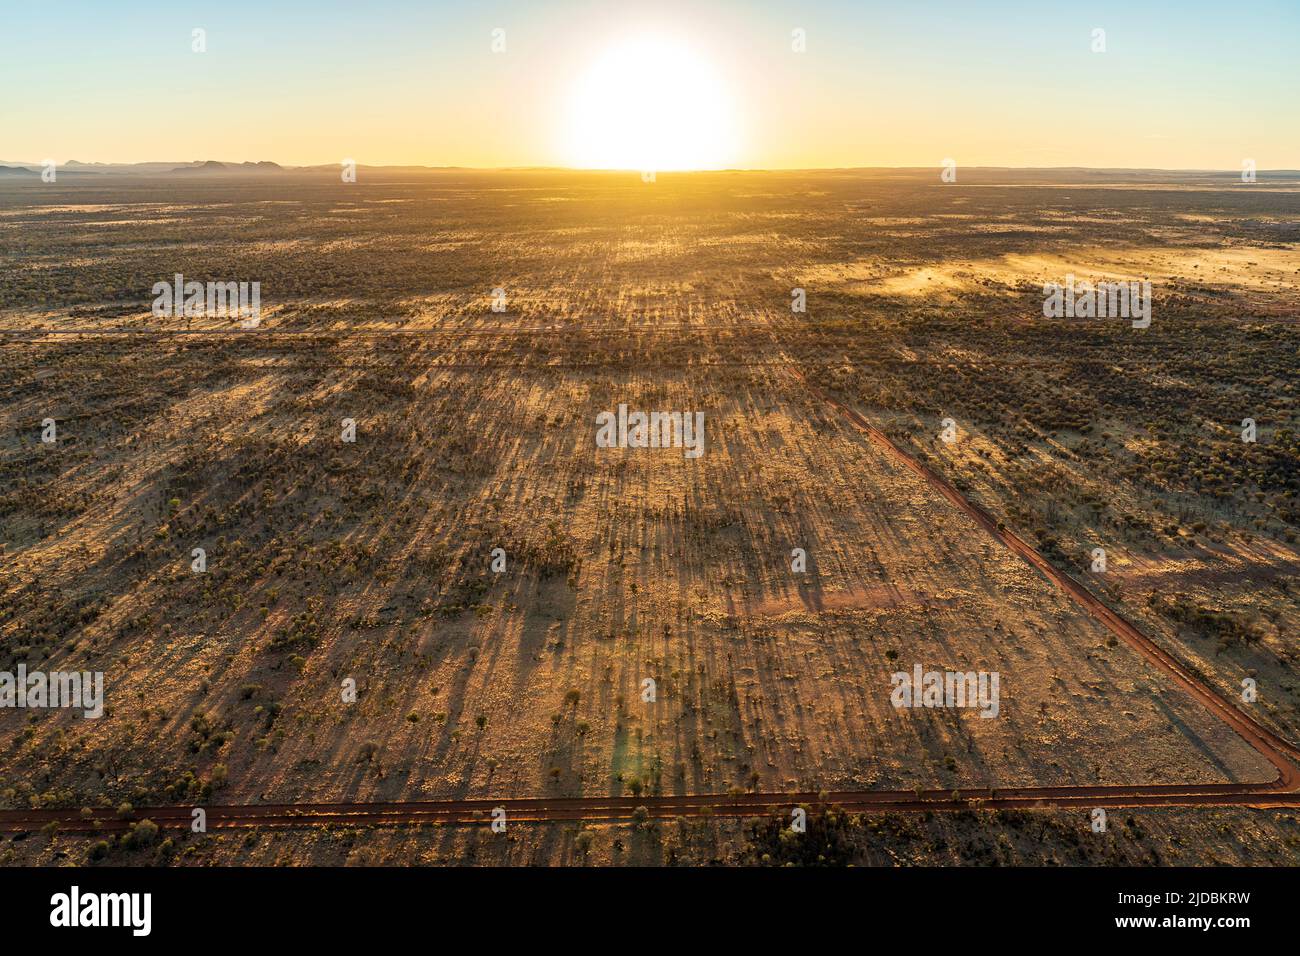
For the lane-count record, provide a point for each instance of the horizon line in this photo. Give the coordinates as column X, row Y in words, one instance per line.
column 198, row 163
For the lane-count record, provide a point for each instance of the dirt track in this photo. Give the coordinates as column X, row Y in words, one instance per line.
column 271, row 816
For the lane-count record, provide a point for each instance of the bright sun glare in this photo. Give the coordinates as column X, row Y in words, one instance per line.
column 650, row 104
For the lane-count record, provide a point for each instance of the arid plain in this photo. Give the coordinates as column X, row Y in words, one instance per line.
column 372, row 560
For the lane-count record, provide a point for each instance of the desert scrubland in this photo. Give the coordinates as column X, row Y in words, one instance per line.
column 372, row 560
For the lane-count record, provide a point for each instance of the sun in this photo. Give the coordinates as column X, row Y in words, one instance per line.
column 649, row 103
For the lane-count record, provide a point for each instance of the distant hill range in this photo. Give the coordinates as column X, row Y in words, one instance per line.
column 212, row 167
column 199, row 167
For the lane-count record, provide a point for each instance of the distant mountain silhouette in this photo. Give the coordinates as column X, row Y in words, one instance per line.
column 213, row 166
column 17, row 171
